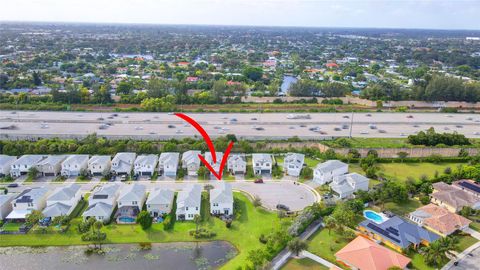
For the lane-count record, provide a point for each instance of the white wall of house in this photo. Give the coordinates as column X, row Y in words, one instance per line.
column 221, row 208
column 98, row 168
column 189, row 212
column 35, row 205
column 327, row 177
column 74, row 168
column 156, row 210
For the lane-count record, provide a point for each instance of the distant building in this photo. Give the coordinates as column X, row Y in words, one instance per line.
column 438, row 220
column 453, row 198
column 293, row 164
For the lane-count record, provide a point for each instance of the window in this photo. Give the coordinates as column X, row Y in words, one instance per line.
column 196, row 208
column 186, row 208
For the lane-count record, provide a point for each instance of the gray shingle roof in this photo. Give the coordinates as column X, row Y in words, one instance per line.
column 222, row 194
column 64, row 193
column 330, row 165
column 56, row 209
column 161, row 196
column 133, row 192
column 191, row 196
column 31, row 195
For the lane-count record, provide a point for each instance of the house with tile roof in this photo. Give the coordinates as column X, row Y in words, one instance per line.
column 453, row 198
column 160, row 202
column 221, row 200
column 62, row 201
column 188, row 202
column 362, row 253
column 438, row 220
column 468, row 186
column 326, row 171
column 397, row 233
column 293, row 164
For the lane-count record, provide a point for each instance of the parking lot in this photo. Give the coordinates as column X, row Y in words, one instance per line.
column 26, row 124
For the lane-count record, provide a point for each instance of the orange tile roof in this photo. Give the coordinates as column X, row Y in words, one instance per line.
column 365, row 254
column 443, row 220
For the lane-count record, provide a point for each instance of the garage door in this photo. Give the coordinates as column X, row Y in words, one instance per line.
column 146, row 173
column 49, row 174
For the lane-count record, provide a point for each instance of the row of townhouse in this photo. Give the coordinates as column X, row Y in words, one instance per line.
column 129, row 199
column 145, row 165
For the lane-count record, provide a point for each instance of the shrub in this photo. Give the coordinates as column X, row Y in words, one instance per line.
column 228, row 223
column 167, row 223
column 144, row 219
column 424, row 199
column 202, row 233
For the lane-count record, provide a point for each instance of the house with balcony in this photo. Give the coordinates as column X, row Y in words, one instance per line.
column 6, row 164
column 168, row 164
column 22, row 165
column 237, row 164
column 122, row 163
column 75, row 165
column 262, row 164
column 293, row 164
column 191, row 162
column 51, row 166
column 326, row 171
column 145, row 165
column 99, row 165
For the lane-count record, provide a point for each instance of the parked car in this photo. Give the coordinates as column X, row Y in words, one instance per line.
column 258, row 181
column 282, row 207
column 12, row 185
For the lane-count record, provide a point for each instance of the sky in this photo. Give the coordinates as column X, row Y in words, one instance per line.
column 426, row 14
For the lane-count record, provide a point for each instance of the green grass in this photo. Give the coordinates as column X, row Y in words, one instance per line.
column 325, row 245
column 303, row 264
column 418, row 262
column 11, row 227
column 243, row 234
column 371, row 143
column 464, row 241
column 475, row 226
column 403, row 209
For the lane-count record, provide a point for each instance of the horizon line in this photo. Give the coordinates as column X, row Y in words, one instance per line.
column 235, row 25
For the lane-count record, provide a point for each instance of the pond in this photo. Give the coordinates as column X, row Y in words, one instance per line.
column 287, row 82
column 165, row 256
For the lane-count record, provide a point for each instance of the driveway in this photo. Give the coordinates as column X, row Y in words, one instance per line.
column 467, row 262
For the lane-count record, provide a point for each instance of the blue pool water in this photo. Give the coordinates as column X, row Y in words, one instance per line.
column 373, row 216
column 126, row 219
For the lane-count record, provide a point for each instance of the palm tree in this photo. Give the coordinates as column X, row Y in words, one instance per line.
column 296, row 245
column 433, row 253
column 330, row 223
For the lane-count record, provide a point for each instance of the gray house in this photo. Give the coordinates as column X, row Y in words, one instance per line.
column 122, row 163
column 102, row 202
column 293, row 164
column 160, row 202
column 168, row 164
column 345, row 185
column 51, row 166
column 5, row 205
column 191, row 162
column 237, row 164
column 6, row 164
column 262, row 163
column 130, row 203
column 221, row 200
column 188, row 202
column 24, row 163
column 62, row 201
column 99, row 165
column 145, row 165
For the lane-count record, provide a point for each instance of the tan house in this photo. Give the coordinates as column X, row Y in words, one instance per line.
column 453, row 198
column 439, row 220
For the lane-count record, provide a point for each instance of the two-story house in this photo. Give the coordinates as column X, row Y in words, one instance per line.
column 99, row 165
column 345, row 185
column 102, row 202
column 51, row 166
column 28, row 200
column 188, row 202
column 221, row 200
column 130, row 203
column 160, row 202
column 262, row 163
column 22, row 165
column 168, row 164
column 6, row 164
column 191, row 162
column 209, row 159
column 74, row 165
column 145, row 165
column 326, row 171
column 62, row 201
column 293, row 164
column 122, row 163
column 237, row 164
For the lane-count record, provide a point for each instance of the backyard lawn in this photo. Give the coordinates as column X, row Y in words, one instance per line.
column 243, row 234
column 11, row 227
column 303, row 264
column 325, row 245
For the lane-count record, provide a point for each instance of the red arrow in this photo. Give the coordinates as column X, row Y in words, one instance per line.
column 210, row 145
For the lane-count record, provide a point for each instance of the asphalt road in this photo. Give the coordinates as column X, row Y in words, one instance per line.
column 30, row 124
column 271, row 193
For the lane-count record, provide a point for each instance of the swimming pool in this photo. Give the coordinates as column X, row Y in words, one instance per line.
column 126, row 219
column 374, row 216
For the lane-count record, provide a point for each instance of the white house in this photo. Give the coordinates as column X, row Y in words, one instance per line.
column 99, row 165
column 6, row 164
column 326, row 171
column 24, row 163
column 73, row 165
column 237, row 164
column 209, row 159
column 145, row 165
column 30, row 199
column 5, row 205
column 160, row 202
column 102, row 202
column 51, row 166
column 221, row 200
column 189, row 202
column 130, row 202
column 122, row 163
column 345, row 185
column 262, row 163
column 293, row 164
column 191, row 162
column 62, row 201
column 168, row 164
